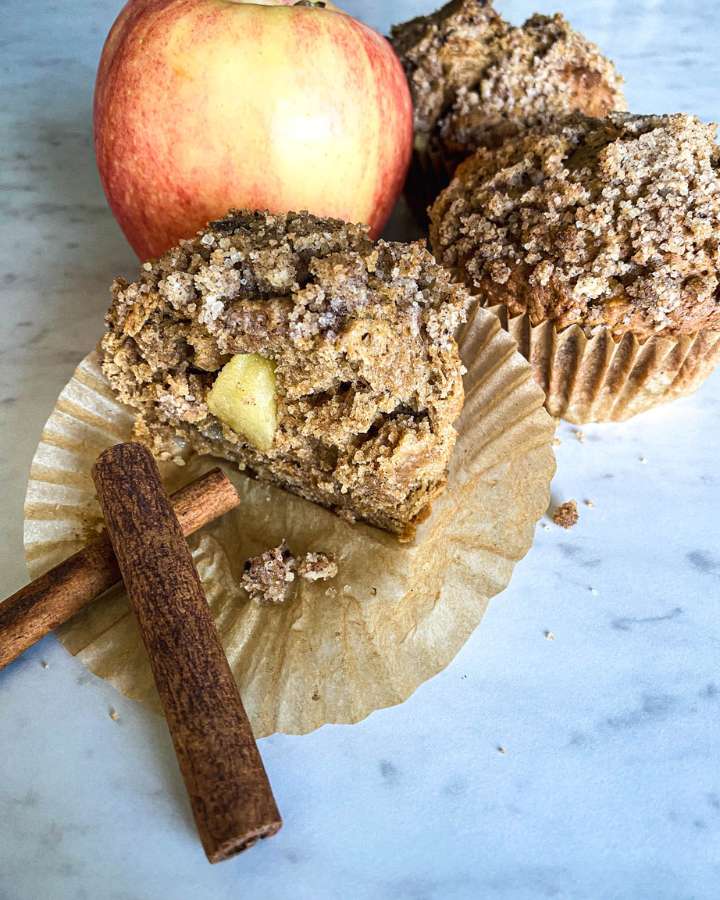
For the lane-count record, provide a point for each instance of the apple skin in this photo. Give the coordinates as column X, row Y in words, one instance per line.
column 203, row 105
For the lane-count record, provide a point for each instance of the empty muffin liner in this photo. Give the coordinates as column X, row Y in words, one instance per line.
column 607, row 379
column 395, row 615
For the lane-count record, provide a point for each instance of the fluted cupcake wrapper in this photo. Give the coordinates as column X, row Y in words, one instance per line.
column 429, row 174
column 607, row 379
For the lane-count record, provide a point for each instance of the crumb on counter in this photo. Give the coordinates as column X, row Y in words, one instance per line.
column 549, row 636
column 270, row 577
column 589, row 503
column 566, row 515
column 113, row 713
column 317, row 567
column 580, row 436
column 501, row 749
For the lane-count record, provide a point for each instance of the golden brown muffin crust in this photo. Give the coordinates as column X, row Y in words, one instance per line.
column 477, row 79
column 611, row 222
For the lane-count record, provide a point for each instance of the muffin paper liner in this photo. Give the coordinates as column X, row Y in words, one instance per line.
column 429, row 174
column 395, row 615
column 607, row 379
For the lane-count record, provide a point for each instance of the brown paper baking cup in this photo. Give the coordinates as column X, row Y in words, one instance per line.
column 607, row 379
column 395, row 615
column 429, row 174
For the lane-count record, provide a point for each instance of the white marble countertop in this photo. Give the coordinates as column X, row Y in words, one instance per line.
column 609, row 786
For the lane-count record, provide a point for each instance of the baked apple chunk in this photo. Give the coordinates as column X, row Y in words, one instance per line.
column 243, row 397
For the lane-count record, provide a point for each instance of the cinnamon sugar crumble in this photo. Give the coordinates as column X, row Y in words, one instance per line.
column 566, row 515
column 270, row 577
column 602, row 223
column 475, row 78
column 317, row 567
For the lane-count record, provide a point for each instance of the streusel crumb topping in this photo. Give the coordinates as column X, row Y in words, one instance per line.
column 270, row 577
column 611, row 222
column 476, row 79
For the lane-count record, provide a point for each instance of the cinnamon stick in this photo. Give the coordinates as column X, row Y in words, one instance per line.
column 55, row 597
column 229, row 790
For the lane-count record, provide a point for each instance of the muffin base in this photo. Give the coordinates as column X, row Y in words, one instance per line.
column 608, row 379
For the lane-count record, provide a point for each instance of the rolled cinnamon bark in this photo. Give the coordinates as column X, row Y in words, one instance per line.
column 55, row 597
column 230, row 794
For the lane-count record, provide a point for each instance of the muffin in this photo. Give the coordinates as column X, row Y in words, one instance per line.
column 597, row 243
column 303, row 352
column 476, row 80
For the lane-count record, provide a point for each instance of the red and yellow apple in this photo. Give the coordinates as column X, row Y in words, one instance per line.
column 203, row 105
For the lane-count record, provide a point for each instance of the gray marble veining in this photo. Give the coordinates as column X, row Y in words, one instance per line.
column 608, row 786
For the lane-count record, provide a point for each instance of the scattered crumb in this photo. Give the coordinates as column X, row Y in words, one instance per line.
column 270, row 577
column 346, row 589
column 113, row 713
column 556, row 442
column 331, row 592
column 545, row 526
column 589, row 503
column 317, row 567
column 549, row 636
column 501, row 749
column 580, row 435
column 642, row 459
column 594, row 591
column 566, row 515
column 44, row 664
column 316, row 694
column 373, row 591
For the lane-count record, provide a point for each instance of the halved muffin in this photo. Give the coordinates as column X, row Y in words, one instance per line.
column 303, row 352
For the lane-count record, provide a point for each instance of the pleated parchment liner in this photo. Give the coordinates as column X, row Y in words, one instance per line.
column 394, row 616
column 429, row 174
column 604, row 379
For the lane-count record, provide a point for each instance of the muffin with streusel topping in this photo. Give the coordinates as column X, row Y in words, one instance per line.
column 476, row 80
column 302, row 351
column 599, row 243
